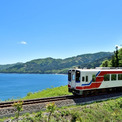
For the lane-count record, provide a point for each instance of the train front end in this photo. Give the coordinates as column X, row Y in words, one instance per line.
column 74, row 81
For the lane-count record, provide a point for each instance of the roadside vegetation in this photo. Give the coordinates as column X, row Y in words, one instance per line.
column 106, row 111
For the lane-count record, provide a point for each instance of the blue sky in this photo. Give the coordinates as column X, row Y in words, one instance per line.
column 32, row 29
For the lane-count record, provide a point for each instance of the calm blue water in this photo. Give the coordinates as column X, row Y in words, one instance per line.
column 18, row 85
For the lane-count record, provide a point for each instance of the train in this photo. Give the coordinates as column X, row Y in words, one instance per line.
column 91, row 81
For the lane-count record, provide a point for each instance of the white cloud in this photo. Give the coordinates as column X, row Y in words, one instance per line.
column 23, row 42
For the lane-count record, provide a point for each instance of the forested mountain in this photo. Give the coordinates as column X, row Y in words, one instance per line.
column 51, row 65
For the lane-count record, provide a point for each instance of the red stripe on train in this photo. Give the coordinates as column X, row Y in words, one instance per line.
column 93, row 85
column 109, row 72
column 69, row 86
column 99, row 79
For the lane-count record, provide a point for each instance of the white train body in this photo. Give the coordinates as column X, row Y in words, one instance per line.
column 80, row 80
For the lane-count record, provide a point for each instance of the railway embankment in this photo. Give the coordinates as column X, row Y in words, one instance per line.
column 29, row 108
column 110, row 110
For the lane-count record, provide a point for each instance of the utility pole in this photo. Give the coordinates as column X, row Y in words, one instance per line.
column 117, row 60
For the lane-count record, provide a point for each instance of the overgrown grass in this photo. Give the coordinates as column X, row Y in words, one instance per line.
column 49, row 92
column 106, row 111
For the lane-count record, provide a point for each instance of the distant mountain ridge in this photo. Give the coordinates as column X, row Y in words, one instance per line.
column 2, row 67
column 51, row 65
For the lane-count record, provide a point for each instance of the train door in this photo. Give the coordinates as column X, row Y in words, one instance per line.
column 73, row 79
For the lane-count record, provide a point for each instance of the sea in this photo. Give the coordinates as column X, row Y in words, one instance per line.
column 14, row 86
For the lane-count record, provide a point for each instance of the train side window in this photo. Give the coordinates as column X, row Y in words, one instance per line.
column 113, row 77
column 86, row 78
column 107, row 77
column 119, row 76
column 83, row 79
column 93, row 78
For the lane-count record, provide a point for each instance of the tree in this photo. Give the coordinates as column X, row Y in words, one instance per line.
column 113, row 61
column 120, row 57
column 116, row 60
column 105, row 63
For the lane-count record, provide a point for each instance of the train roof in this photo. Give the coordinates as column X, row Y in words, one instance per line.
column 99, row 69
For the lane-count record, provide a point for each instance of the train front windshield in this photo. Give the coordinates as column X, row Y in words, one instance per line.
column 77, row 76
column 69, row 75
column 74, row 75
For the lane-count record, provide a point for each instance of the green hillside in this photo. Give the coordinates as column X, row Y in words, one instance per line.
column 51, row 65
column 6, row 66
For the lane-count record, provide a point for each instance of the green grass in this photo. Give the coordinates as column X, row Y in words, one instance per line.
column 49, row 92
column 104, row 111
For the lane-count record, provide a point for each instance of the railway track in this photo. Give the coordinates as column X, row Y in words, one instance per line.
column 35, row 105
column 44, row 100
column 35, row 101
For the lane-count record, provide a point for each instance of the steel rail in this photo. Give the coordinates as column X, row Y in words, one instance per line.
column 35, row 101
column 49, row 99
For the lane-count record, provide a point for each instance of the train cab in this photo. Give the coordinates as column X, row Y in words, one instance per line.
column 77, row 80
column 74, row 80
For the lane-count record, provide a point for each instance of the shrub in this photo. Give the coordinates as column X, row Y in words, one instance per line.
column 18, row 106
column 50, row 107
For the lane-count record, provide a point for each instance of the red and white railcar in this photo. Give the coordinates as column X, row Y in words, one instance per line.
column 82, row 81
